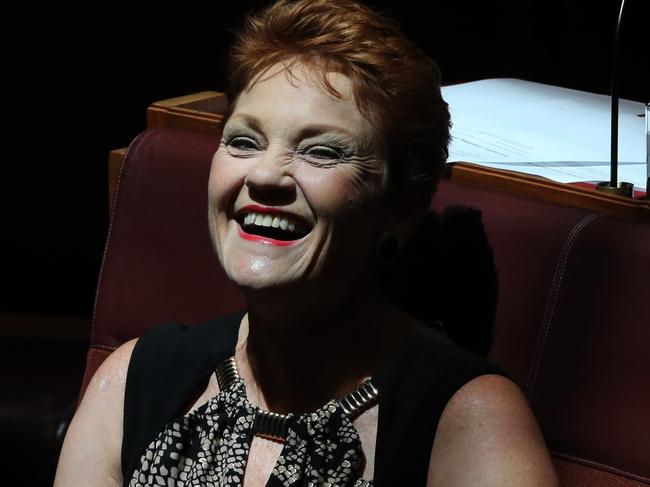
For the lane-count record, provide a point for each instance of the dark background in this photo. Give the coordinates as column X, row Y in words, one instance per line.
column 80, row 79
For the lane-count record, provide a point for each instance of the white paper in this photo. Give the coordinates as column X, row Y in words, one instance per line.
column 554, row 132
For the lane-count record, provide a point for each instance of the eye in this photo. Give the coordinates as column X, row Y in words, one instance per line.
column 324, row 152
column 242, row 143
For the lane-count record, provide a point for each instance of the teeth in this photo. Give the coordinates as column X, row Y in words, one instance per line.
column 265, row 220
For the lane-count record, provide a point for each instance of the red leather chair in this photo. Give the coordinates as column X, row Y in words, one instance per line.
column 158, row 264
column 572, row 329
column 572, row 319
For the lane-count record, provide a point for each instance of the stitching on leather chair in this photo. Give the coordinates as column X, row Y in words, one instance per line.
column 600, row 466
column 136, row 142
column 552, row 300
column 107, row 348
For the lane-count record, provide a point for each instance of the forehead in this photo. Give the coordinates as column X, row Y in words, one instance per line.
column 290, row 97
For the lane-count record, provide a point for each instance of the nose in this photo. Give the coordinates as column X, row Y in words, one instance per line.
column 269, row 181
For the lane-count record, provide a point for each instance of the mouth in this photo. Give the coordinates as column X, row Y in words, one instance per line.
column 279, row 227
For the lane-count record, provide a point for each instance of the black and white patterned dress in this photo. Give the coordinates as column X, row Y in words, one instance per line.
column 171, row 364
column 210, row 445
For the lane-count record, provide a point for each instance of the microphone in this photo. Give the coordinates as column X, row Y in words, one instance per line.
column 612, row 186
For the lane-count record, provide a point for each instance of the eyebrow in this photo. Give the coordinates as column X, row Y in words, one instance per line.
column 307, row 131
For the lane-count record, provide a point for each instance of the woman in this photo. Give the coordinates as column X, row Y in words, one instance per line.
column 328, row 160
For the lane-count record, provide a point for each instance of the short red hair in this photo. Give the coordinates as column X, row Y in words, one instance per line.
column 391, row 76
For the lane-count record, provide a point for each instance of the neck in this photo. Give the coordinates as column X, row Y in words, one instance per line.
column 296, row 356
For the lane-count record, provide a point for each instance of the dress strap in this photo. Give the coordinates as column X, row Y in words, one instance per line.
column 415, row 386
column 169, row 364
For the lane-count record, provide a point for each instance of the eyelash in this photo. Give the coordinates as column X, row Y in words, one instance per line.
column 230, row 140
column 334, row 151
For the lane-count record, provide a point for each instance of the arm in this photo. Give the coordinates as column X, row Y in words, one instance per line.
column 488, row 436
column 91, row 454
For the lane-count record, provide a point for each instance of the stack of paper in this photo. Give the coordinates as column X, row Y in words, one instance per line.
column 554, row 132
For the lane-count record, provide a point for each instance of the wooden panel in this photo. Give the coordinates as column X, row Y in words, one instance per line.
column 201, row 112
column 539, row 188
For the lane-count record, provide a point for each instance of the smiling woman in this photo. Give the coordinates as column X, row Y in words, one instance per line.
column 328, row 160
column 324, row 183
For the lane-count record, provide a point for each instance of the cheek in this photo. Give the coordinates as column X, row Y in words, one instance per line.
column 336, row 192
column 223, row 188
column 223, row 182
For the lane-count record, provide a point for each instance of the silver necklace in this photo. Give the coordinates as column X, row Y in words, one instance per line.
column 273, row 425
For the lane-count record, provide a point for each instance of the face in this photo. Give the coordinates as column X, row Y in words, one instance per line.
column 297, row 187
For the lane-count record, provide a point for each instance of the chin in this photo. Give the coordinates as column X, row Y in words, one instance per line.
column 258, row 276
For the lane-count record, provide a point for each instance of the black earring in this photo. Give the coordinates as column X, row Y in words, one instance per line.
column 388, row 249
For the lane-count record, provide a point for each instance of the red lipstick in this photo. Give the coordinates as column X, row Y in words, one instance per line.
column 264, row 240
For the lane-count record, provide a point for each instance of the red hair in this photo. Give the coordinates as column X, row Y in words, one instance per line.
column 391, row 77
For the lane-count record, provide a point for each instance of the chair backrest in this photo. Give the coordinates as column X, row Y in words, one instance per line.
column 158, row 263
column 572, row 321
column 572, row 328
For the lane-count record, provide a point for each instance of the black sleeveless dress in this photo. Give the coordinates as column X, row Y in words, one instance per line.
column 209, row 446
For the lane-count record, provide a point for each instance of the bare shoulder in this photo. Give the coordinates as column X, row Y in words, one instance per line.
column 487, row 435
column 110, row 377
column 91, row 454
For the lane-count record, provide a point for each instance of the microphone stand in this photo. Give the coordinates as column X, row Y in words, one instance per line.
column 647, row 149
column 612, row 186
